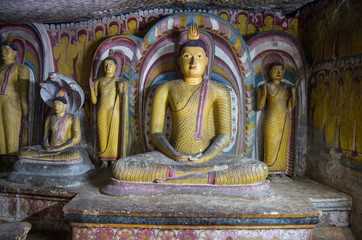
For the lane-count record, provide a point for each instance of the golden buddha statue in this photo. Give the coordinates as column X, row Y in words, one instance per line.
column 14, row 109
column 193, row 156
column 279, row 98
column 61, row 132
column 107, row 92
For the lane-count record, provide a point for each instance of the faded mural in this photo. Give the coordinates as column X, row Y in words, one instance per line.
column 332, row 44
column 73, row 44
column 336, row 104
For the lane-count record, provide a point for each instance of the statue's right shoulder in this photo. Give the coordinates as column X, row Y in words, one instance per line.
column 171, row 84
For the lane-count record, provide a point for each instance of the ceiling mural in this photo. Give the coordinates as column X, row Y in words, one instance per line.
column 55, row 11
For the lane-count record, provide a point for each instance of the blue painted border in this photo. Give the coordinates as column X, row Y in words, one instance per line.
column 189, row 220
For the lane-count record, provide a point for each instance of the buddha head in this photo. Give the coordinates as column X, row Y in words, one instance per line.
column 99, row 34
column 242, row 19
column 131, row 24
column 8, row 52
column 82, row 38
column 64, row 39
column 276, row 72
column 98, row 31
column 294, row 24
column 82, row 35
column 113, row 28
column 320, row 80
column 192, row 59
column 60, row 105
column 151, row 20
column 224, row 15
column 110, row 66
column 268, row 21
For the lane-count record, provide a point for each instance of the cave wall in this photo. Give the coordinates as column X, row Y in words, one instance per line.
column 331, row 37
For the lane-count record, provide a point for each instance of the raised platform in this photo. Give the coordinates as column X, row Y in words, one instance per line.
column 291, row 215
column 52, row 172
column 16, row 231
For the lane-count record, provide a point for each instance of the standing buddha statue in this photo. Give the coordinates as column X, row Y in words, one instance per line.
column 279, row 98
column 14, row 109
column 107, row 93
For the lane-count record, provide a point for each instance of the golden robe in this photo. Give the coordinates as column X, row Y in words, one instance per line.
column 108, row 117
column 13, row 104
column 277, row 126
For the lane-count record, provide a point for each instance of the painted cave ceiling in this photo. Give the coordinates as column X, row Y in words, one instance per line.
column 53, row 11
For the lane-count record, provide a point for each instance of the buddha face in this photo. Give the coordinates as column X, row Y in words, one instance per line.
column 99, row 34
column 268, row 21
column 64, row 40
column 276, row 73
column 294, row 24
column 60, row 107
column 113, row 29
column 109, row 67
column 8, row 54
column 320, row 80
column 224, row 16
column 193, row 61
column 132, row 25
column 82, row 38
column 242, row 18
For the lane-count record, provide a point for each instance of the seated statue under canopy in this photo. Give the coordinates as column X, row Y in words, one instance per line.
column 194, row 153
column 61, row 129
column 60, row 151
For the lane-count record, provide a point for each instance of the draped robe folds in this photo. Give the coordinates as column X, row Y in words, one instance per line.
column 108, row 117
column 59, row 135
column 12, row 104
column 223, row 169
column 277, row 126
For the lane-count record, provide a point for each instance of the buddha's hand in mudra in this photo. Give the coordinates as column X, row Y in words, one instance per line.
column 188, row 158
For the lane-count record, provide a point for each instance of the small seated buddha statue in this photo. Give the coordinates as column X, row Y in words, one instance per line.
column 61, row 160
column 61, row 133
column 193, row 155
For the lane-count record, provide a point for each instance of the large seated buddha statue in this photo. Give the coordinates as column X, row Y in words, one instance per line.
column 194, row 154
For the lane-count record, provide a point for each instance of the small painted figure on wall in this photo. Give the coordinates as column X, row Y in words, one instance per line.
column 64, row 53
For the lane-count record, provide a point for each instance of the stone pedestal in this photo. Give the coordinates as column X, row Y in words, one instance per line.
column 16, row 231
column 52, row 172
column 40, row 206
column 298, row 208
column 286, row 216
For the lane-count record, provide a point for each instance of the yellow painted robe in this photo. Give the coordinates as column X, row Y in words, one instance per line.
column 108, row 117
column 12, row 104
column 277, row 127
